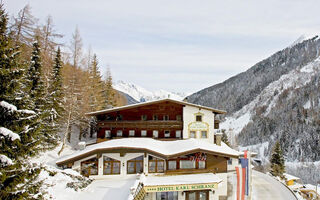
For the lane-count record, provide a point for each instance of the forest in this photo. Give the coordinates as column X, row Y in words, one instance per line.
column 46, row 88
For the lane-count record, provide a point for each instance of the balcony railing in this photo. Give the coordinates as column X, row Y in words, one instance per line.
column 141, row 124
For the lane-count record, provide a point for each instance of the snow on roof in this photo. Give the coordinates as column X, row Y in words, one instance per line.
column 290, row 177
column 153, row 102
column 153, row 180
column 165, row 148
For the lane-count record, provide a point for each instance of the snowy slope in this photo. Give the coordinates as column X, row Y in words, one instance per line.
column 140, row 94
column 270, row 95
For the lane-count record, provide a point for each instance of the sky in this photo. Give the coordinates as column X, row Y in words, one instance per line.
column 178, row 45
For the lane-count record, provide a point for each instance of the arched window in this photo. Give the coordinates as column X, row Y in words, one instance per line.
column 135, row 166
column 156, row 165
column 89, row 167
column 110, row 166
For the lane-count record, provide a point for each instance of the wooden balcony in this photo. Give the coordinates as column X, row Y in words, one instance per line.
column 150, row 124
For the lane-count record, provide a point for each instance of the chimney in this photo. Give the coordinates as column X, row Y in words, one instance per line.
column 218, row 137
column 82, row 145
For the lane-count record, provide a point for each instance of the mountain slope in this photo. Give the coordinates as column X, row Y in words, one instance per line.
column 140, row 94
column 238, row 91
column 276, row 99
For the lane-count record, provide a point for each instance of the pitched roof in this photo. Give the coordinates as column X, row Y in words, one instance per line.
column 163, row 148
column 154, row 102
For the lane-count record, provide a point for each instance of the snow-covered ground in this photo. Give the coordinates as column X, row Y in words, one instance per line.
column 141, row 94
column 108, row 189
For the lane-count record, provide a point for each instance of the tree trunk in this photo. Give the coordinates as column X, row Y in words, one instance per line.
column 67, row 132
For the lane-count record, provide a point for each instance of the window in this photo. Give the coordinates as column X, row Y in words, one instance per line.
column 155, row 117
column 143, row 133
column 178, row 118
column 199, row 118
column 192, row 134
column 197, row 195
column 167, row 196
column 135, row 165
column 172, row 165
column 119, row 133
column 119, row 118
column 144, row 117
column 110, row 166
column 230, row 161
column 204, row 134
column 178, row 133
column 166, row 117
column 166, row 133
column 187, row 164
column 155, row 133
column 131, row 133
column 156, row 165
column 89, row 167
column 107, row 134
column 202, row 164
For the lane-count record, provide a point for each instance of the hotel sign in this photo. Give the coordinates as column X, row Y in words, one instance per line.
column 173, row 188
column 198, row 126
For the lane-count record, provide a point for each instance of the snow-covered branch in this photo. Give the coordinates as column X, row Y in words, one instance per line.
column 6, row 132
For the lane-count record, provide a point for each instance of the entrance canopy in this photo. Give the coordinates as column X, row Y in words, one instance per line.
column 205, row 181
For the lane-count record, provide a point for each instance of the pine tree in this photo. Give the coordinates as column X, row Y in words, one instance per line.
column 277, row 161
column 97, row 101
column 54, row 103
column 17, row 177
column 35, row 100
column 109, row 91
column 224, row 138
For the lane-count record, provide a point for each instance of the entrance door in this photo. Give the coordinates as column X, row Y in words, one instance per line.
column 197, row 195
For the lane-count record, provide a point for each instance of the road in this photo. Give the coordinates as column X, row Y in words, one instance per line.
column 265, row 187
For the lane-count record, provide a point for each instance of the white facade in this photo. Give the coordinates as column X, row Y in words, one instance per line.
column 190, row 123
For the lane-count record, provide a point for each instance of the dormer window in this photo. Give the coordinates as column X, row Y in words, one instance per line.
column 199, row 118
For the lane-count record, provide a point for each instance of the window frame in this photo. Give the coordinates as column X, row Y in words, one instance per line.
column 156, row 161
column 155, row 117
column 179, row 133
column 132, row 131
column 195, row 134
column 144, row 133
column 144, row 117
column 94, row 160
column 112, row 161
column 153, row 133
column 135, row 164
column 200, row 117
column 168, row 134
column 105, row 133
column 206, row 134
column 119, row 131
